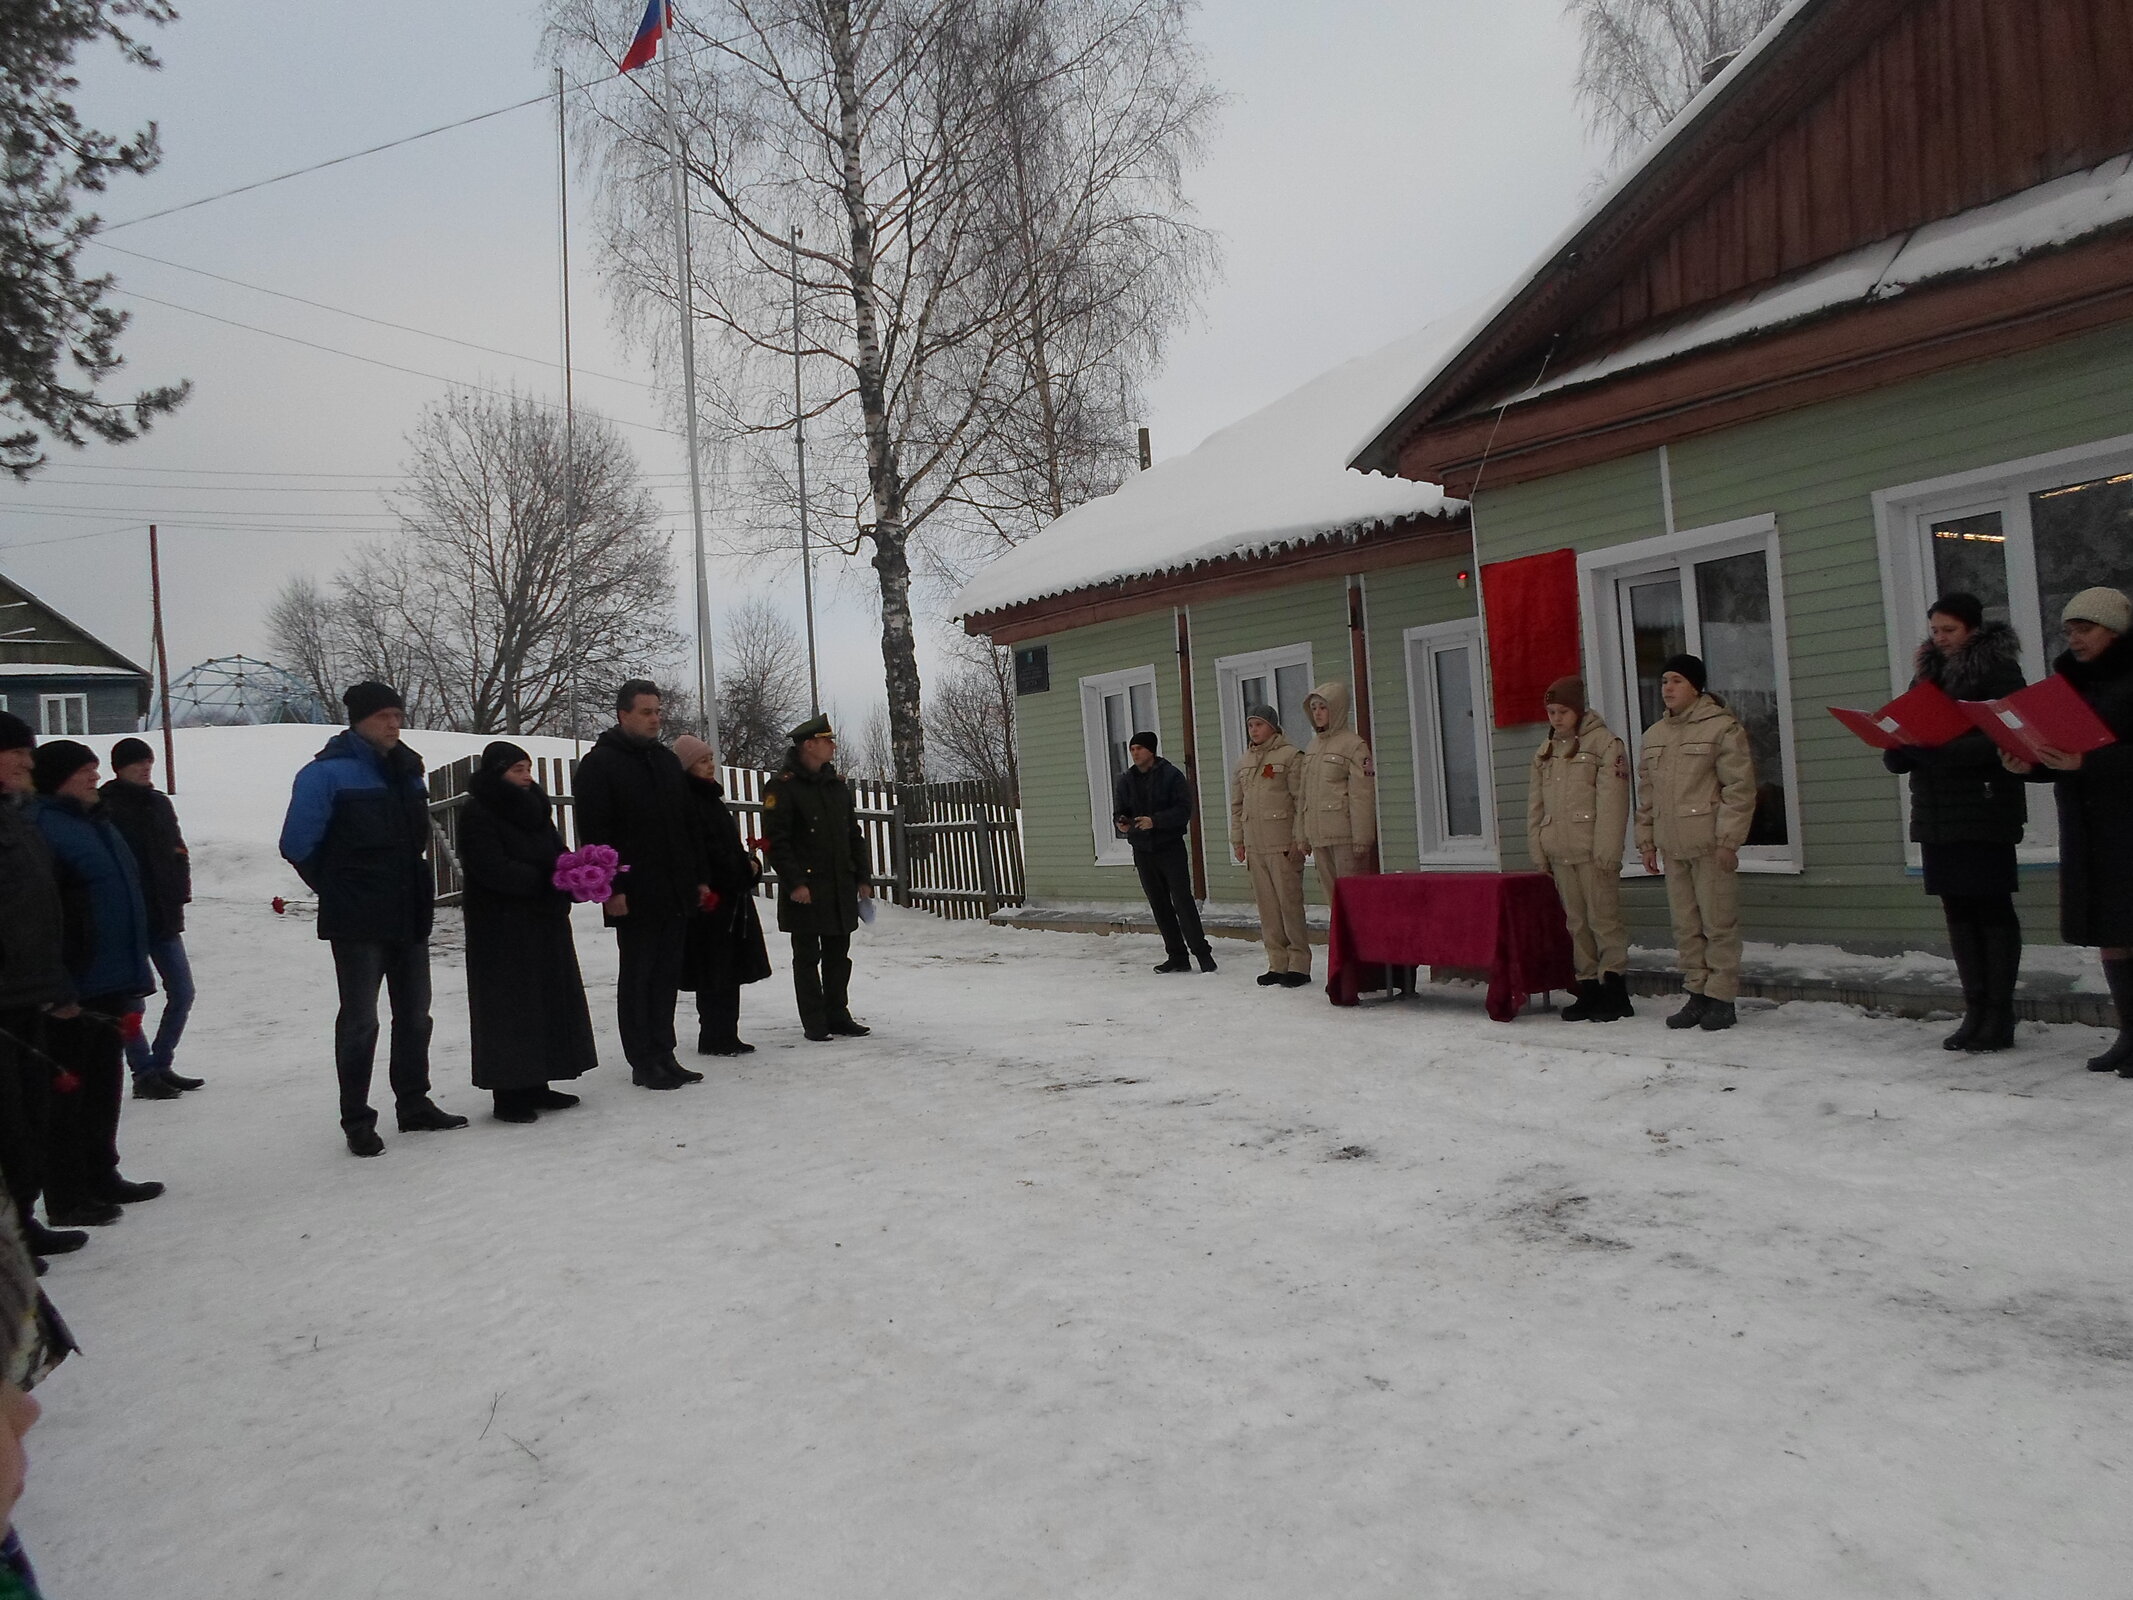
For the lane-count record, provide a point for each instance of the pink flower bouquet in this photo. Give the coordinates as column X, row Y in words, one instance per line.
column 587, row 873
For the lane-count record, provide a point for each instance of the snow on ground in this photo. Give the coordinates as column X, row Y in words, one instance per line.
column 1077, row 1281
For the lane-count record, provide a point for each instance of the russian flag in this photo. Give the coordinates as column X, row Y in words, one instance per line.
column 649, row 32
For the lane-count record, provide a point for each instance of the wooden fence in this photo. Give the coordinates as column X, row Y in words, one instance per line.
column 954, row 849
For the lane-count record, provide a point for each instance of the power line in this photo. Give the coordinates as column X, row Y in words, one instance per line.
column 42, row 506
column 343, row 311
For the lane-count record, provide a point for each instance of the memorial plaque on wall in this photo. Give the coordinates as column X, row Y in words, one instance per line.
column 1033, row 670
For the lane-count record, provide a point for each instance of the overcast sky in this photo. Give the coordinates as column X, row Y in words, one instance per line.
column 1379, row 162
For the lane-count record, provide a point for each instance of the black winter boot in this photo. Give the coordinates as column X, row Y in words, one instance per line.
column 1966, row 944
column 2119, row 1058
column 512, row 1105
column 2001, row 944
column 1207, row 960
column 1614, row 997
column 1690, row 1013
column 427, row 1116
column 1587, row 1006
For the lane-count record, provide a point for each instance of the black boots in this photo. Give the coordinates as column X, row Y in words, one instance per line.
column 2000, row 947
column 1604, row 999
column 1690, row 1014
column 1614, row 996
column 516, row 1105
column 1586, row 1007
column 1966, row 943
column 154, row 1086
column 427, row 1116
column 1176, row 963
column 2119, row 1058
column 1207, row 960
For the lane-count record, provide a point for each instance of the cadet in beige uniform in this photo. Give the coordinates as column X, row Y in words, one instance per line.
column 1340, row 790
column 1577, row 820
column 1695, row 802
column 1266, row 835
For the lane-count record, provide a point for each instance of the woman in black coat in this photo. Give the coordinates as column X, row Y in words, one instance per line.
column 525, row 998
column 1967, row 816
column 2095, row 793
column 725, row 948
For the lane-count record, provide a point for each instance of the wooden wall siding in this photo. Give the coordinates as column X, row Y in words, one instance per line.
column 1816, row 470
column 1058, row 847
column 1411, row 597
column 1309, row 613
column 1959, row 103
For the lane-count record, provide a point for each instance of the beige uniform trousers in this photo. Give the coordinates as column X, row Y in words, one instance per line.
column 1338, row 861
column 1592, row 903
column 1278, row 886
column 1704, row 898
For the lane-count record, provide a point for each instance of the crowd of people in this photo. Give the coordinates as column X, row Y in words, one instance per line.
column 681, row 906
column 1689, row 807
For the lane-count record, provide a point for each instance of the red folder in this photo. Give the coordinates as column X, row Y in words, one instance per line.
column 1922, row 715
column 2048, row 714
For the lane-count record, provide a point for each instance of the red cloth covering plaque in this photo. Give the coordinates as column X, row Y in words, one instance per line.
column 1533, row 631
column 1510, row 923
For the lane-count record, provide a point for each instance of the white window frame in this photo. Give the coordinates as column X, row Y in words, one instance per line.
column 45, row 705
column 1111, row 850
column 1606, row 677
column 1434, row 846
column 1230, row 671
column 1903, row 516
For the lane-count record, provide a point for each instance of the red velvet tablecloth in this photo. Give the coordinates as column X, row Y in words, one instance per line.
column 1508, row 922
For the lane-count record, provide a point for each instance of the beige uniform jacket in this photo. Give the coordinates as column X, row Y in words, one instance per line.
column 1577, row 804
column 1263, row 793
column 1340, row 781
column 1695, row 783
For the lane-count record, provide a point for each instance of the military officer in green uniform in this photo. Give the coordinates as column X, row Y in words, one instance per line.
column 811, row 825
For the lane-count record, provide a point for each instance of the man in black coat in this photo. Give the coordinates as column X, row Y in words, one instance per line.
column 358, row 832
column 148, row 822
column 1152, row 807
column 34, row 985
column 631, row 796
column 819, row 852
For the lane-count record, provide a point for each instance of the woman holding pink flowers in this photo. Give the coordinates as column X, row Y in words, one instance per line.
column 525, row 998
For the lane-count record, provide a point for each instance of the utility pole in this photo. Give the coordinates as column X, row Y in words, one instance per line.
column 799, row 447
column 155, row 602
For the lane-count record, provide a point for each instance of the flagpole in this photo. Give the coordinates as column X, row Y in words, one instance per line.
column 570, row 432
column 799, row 448
column 706, row 673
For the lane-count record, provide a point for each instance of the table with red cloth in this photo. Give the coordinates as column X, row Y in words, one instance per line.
column 1510, row 923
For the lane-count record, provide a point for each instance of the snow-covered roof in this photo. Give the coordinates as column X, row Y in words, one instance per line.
column 63, row 669
column 1278, row 478
column 1603, row 202
column 1995, row 235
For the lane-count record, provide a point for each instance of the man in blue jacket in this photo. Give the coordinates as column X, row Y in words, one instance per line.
column 104, row 942
column 358, row 832
column 1153, row 807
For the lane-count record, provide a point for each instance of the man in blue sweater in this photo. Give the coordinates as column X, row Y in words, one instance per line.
column 358, row 832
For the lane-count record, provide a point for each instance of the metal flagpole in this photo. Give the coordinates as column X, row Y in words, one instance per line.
column 155, row 600
column 570, row 440
column 706, row 673
column 799, row 447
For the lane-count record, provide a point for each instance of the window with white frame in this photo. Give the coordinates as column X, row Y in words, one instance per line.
column 1716, row 593
column 1280, row 678
column 63, row 713
column 1114, row 707
column 1455, row 795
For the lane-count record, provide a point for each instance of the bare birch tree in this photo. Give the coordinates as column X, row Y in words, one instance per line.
column 1644, row 60
column 877, row 128
column 762, row 684
column 970, row 716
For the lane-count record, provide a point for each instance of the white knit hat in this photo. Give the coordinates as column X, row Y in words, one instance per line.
column 2107, row 608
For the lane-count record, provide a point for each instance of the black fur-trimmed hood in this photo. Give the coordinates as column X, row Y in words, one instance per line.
column 1987, row 667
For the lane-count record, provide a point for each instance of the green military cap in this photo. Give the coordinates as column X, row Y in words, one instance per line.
column 812, row 728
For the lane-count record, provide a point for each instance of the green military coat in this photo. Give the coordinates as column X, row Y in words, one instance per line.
column 811, row 825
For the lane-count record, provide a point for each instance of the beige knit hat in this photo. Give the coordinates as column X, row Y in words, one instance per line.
column 2107, row 608
column 690, row 750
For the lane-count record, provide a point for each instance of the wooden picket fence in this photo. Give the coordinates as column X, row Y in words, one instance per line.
column 954, row 849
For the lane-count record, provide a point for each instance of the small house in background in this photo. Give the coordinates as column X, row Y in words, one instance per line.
column 1245, row 572
column 60, row 678
column 1856, row 330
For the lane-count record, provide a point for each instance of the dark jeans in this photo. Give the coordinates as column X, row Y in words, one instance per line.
column 176, row 971
column 25, row 1107
column 648, row 985
column 403, row 966
column 81, row 1150
column 718, row 1015
column 1166, row 879
column 822, row 978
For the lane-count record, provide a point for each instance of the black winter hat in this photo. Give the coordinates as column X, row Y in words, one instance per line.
column 1145, row 739
column 59, row 761
column 502, row 756
column 1690, row 667
column 1967, row 609
column 127, row 751
column 368, row 699
column 15, row 734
